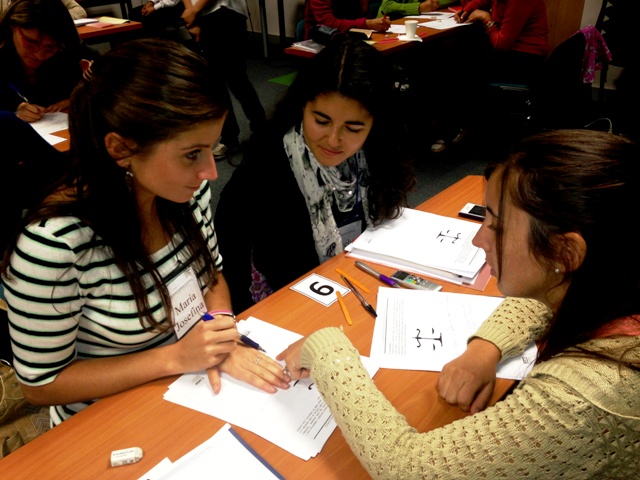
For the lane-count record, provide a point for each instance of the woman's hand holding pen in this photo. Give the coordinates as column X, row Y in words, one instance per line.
column 478, row 16
column 206, row 346
column 381, row 24
column 29, row 112
column 468, row 381
column 291, row 357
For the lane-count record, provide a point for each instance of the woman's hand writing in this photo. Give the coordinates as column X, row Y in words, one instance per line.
column 381, row 24
column 468, row 381
column 479, row 16
column 205, row 346
column 29, row 112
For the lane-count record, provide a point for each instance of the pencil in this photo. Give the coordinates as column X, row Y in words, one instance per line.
column 354, row 281
column 344, row 308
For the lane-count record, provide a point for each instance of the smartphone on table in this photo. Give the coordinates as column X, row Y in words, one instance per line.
column 413, row 281
column 473, row 211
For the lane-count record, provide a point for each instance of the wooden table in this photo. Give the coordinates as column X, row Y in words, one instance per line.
column 383, row 41
column 80, row 447
column 62, row 146
column 106, row 34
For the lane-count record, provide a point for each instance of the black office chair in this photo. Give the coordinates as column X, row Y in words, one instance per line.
column 559, row 97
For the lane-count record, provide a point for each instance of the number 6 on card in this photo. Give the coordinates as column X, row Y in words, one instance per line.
column 320, row 289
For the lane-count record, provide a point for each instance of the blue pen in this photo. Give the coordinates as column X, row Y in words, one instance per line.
column 13, row 87
column 243, row 338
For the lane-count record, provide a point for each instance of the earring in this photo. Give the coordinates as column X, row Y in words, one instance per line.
column 556, row 270
column 129, row 179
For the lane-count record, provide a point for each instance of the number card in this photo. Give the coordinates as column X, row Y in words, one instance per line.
column 320, row 289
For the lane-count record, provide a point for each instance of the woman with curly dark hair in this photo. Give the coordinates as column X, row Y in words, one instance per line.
column 327, row 166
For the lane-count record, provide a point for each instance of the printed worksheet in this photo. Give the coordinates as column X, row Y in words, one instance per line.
column 421, row 330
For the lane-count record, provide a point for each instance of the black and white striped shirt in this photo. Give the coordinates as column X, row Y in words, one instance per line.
column 69, row 301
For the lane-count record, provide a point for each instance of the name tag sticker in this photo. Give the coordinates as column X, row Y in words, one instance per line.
column 320, row 289
column 187, row 302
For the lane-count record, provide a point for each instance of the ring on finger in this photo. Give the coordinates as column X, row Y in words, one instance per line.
column 287, row 372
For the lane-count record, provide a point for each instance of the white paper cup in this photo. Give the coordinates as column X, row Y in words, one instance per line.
column 411, row 26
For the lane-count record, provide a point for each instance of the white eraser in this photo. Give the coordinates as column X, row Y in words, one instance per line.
column 126, row 456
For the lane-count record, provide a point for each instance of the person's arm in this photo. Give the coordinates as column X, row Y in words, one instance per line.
column 44, row 293
column 323, row 14
column 400, row 8
column 504, row 34
column 468, row 380
column 159, row 4
column 242, row 363
column 75, row 9
column 512, row 439
column 191, row 11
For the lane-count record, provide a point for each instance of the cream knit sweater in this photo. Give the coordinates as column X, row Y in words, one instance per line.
column 572, row 417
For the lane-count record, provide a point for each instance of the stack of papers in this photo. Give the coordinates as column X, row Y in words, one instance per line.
column 420, row 330
column 423, row 243
column 309, row 46
column 297, row 420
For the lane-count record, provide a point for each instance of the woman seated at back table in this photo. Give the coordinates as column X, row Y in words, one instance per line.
column 327, row 166
column 518, row 32
column 40, row 54
column 103, row 267
column 343, row 15
column 403, row 8
column 554, row 235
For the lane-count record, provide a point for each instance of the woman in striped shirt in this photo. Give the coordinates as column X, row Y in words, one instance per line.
column 122, row 253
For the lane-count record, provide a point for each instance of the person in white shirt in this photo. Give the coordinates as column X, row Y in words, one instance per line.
column 222, row 37
column 160, row 18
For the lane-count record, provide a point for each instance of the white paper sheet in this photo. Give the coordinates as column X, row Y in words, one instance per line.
column 443, row 24
column 225, row 453
column 296, row 419
column 420, row 330
column 51, row 122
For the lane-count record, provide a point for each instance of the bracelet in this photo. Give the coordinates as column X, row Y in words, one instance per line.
column 224, row 313
column 489, row 24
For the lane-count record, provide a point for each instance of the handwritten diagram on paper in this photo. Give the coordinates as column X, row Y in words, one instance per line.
column 419, row 330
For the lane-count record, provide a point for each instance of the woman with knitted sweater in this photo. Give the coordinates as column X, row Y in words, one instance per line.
column 552, row 237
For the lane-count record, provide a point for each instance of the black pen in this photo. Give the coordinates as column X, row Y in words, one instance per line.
column 243, row 338
column 364, row 303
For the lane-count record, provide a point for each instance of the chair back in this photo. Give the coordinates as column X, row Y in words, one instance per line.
column 560, row 97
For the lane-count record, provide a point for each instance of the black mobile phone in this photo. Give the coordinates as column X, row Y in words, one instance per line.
column 473, row 211
column 413, row 281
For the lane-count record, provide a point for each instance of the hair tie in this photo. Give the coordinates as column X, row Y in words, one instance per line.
column 85, row 65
